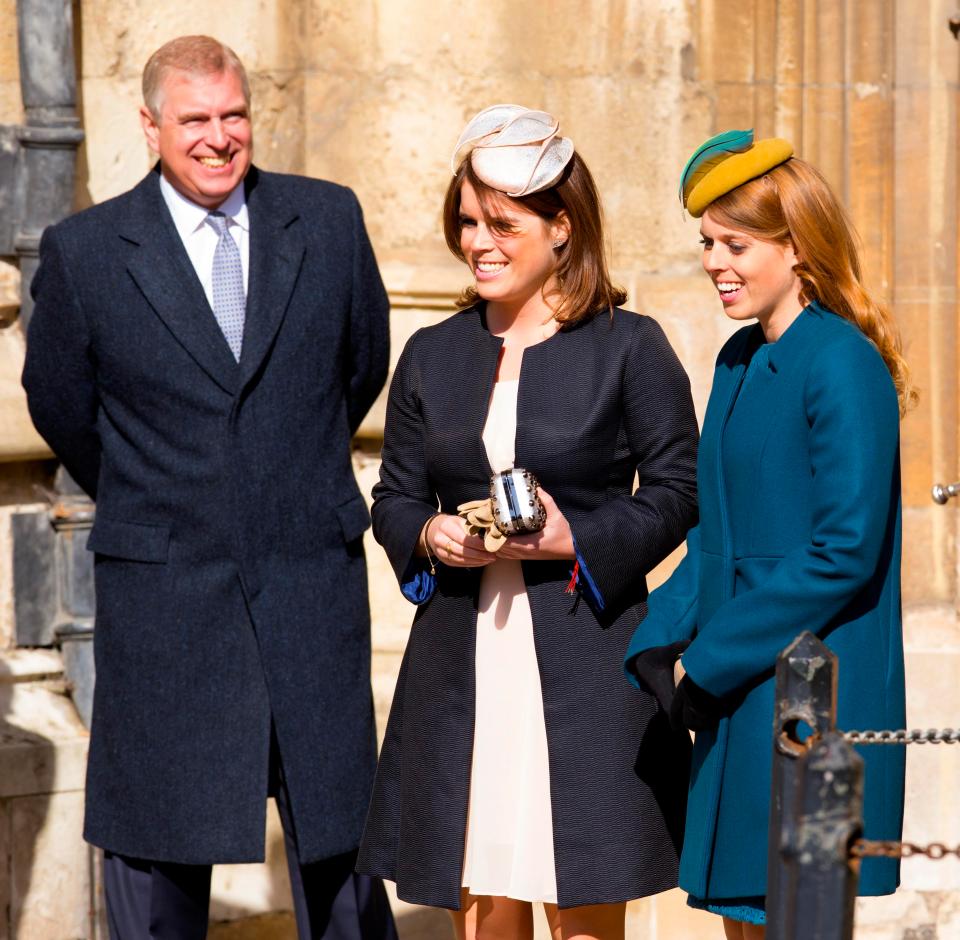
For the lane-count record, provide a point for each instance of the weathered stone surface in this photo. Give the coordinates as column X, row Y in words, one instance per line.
column 113, row 156
column 374, row 94
column 9, row 292
column 50, row 868
column 29, row 665
column 11, row 105
column 930, row 628
column 671, row 919
column 118, row 36
column 18, row 439
column 5, row 872
column 272, row 926
column 43, row 745
column 888, row 918
column 6, row 585
column 9, row 63
column 928, row 574
column 949, row 914
column 35, row 589
column 25, row 482
column 932, row 770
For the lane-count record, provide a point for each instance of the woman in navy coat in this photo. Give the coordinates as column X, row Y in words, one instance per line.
column 599, row 397
column 799, row 488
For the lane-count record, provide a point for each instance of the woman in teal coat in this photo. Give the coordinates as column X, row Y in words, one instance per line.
column 799, row 488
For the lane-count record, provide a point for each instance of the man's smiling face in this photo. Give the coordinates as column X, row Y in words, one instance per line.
column 202, row 134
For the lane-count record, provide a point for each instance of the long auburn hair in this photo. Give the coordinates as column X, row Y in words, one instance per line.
column 794, row 203
column 583, row 286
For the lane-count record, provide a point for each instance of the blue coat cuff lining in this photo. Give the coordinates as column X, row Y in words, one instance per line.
column 586, row 583
column 418, row 584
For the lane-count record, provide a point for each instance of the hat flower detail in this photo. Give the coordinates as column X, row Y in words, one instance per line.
column 513, row 149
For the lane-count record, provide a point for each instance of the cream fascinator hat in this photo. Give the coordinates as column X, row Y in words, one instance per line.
column 513, row 149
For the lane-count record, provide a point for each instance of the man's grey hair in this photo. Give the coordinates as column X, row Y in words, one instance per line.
column 198, row 55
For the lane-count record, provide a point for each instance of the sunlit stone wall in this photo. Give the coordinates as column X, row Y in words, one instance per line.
column 373, row 94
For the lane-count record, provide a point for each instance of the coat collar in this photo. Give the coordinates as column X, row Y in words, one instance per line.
column 476, row 345
column 161, row 268
column 797, row 336
column 780, row 355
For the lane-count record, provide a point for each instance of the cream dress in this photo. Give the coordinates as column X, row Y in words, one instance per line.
column 509, row 840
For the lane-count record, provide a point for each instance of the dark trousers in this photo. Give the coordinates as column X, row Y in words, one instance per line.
column 167, row 901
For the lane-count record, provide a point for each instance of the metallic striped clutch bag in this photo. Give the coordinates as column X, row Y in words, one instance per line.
column 517, row 508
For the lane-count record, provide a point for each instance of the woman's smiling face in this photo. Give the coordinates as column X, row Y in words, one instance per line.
column 755, row 278
column 512, row 253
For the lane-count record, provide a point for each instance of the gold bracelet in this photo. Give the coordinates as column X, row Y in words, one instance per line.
column 425, row 532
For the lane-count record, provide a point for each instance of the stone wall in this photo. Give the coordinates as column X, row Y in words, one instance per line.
column 373, row 94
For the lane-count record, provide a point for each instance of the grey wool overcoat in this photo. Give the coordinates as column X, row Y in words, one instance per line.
column 597, row 403
column 231, row 584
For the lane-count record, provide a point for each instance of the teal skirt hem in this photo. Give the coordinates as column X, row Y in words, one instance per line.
column 747, row 910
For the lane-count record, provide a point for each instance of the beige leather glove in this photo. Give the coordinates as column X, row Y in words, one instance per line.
column 478, row 515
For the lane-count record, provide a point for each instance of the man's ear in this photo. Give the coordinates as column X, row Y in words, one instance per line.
column 151, row 129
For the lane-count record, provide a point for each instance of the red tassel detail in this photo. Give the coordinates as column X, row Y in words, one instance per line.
column 572, row 584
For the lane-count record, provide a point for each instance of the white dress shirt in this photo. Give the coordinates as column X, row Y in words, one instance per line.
column 200, row 239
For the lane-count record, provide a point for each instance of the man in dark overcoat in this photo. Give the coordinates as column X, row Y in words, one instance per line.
column 202, row 349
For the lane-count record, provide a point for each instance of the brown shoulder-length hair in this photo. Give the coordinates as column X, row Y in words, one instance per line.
column 583, row 283
column 794, row 203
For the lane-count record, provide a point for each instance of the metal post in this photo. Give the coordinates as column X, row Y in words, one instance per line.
column 38, row 158
column 806, row 695
column 53, row 584
column 830, row 819
column 51, row 134
column 52, row 572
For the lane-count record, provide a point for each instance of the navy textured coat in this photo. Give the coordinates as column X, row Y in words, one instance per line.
column 799, row 484
column 230, row 577
column 597, row 403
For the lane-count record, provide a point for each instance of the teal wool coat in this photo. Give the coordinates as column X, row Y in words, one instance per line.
column 799, row 488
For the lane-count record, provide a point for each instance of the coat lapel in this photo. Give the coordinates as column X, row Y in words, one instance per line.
column 276, row 255
column 482, row 350
column 726, row 383
column 159, row 265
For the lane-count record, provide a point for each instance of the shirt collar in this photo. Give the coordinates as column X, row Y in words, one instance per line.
column 188, row 217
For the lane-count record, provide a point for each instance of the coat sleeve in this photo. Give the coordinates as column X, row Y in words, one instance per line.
column 369, row 326
column 669, row 626
column 59, row 374
column 403, row 499
column 853, row 415
column 618, row 543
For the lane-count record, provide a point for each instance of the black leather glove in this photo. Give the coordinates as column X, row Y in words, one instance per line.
column 654, row 669
column 694, row 708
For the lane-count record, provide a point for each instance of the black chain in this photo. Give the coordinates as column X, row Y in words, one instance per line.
column 868, row 848
column 930, row 736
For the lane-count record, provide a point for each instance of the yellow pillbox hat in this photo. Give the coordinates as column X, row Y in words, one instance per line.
column 725, row 162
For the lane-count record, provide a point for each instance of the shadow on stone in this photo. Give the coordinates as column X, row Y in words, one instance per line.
column 412, row 924
column 27, row 772
column 423, row 923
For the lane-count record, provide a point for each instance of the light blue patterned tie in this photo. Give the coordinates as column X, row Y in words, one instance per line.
column 229, row 299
